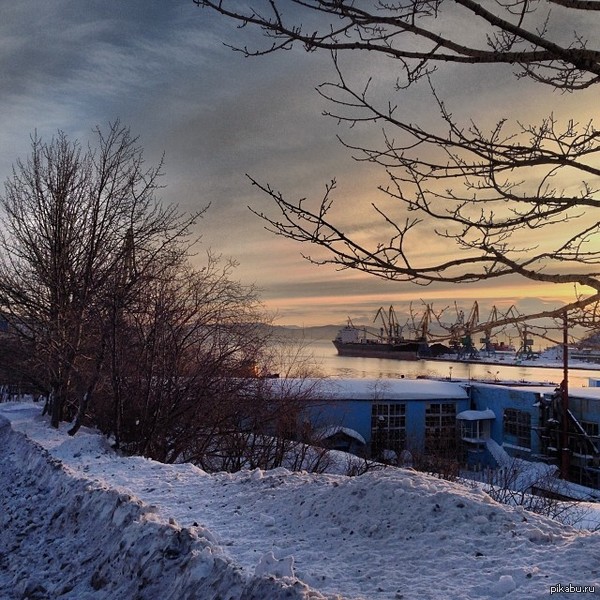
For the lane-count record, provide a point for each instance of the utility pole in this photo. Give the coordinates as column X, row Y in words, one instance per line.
column 565, row 457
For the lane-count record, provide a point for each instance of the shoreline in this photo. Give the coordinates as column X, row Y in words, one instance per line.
column 583, row 366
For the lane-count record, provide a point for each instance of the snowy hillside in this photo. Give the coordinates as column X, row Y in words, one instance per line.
column 80, row 522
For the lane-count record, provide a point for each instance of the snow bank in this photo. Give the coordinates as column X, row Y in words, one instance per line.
column 81, row 522
column 66, row 537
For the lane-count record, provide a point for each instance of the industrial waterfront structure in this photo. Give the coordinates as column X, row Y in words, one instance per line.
column 479, row 424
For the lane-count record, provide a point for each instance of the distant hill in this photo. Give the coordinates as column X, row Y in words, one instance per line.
column 321, row 332
column 592, row 340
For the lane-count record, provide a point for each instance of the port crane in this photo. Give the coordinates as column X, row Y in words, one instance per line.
column 461, row 335
column 486, row 340
column 390, row 329
column 488, row 345
column 461, row 332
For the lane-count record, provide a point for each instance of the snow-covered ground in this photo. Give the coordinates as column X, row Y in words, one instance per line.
column 78, row 521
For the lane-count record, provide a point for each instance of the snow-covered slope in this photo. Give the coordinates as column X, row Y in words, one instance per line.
column 78, row 521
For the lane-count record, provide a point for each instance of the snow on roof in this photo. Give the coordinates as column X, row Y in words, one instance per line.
column 327, row 432
column 591, row 393
column 385, row 389
column 476, row 415
column 524, row 387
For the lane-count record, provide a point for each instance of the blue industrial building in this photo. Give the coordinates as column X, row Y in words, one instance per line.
column 479, row 423
column 401, row 412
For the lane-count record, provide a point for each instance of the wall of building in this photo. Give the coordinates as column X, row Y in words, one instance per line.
column 356, row 413
column 501, row 398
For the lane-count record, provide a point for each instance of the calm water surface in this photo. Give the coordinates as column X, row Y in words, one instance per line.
column 332, row 365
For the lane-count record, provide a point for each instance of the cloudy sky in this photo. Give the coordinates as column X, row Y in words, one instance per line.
column 162, row 69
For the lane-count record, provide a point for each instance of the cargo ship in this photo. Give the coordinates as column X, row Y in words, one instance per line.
column 356, row 342
column 352, row 341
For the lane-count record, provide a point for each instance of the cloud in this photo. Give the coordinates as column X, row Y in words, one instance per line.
column 161, row 67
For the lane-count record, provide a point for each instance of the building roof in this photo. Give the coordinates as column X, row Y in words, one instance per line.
column 392, row 389
column 476, row 415
column 327, row 432
column 372, row 389
column 592, row 393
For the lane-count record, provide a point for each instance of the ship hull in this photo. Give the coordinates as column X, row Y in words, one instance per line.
column 408, row 351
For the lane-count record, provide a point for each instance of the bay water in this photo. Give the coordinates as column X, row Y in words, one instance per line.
column 330, row 364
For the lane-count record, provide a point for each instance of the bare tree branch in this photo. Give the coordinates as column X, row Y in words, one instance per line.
column 515, row 199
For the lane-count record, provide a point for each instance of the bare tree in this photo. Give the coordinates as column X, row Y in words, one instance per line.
column 290, row 357
column 537, row 490
column 266, row 423
column 182, row 350
column 484, row 191
column 108, row 316
column 70, row 219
